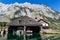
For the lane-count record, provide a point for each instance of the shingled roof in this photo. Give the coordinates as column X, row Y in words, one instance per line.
column 23, row 21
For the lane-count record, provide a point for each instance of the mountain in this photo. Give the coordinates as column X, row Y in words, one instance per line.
column 31, row 10
column 27, row 9
column 4, row 18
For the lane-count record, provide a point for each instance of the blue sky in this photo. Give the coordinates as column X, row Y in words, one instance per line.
column 54, row 4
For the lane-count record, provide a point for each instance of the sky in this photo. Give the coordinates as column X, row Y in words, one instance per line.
column 54, row 4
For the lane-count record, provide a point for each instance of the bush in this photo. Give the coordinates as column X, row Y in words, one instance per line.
column 2, row 24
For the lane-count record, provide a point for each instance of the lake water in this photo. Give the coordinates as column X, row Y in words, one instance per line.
column 35, row 36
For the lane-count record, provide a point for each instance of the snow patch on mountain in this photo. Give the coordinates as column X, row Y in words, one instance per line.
column 26, row 9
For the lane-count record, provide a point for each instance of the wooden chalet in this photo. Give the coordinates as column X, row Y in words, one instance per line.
column 24, row 23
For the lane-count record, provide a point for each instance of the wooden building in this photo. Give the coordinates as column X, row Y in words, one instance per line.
column 24, row 23
column 44, row 23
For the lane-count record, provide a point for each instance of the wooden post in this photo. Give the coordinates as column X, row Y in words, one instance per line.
column 24, row 31
column 41, row 29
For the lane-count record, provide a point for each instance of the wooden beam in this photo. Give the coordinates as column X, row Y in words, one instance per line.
column 24, row 31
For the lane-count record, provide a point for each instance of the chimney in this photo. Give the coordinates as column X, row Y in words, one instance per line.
column 35, row 17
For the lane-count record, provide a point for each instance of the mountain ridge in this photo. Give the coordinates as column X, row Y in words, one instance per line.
column 42, row 9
